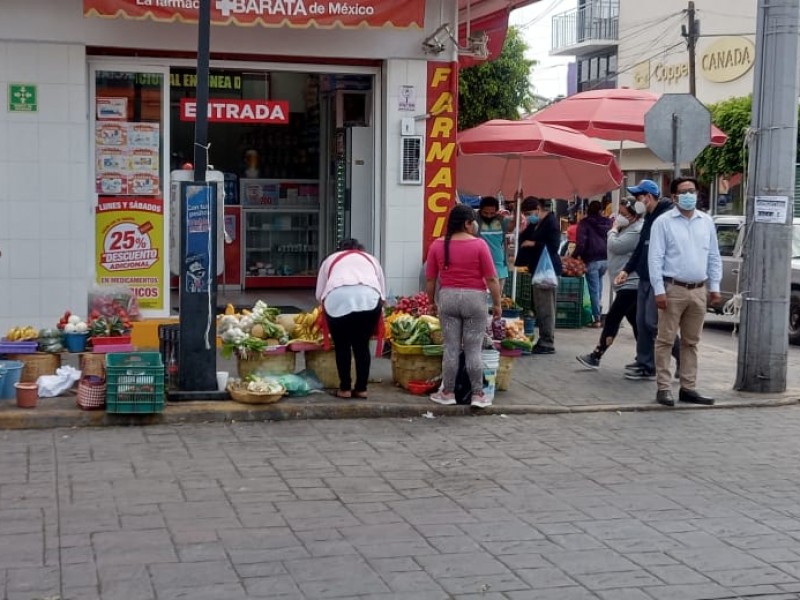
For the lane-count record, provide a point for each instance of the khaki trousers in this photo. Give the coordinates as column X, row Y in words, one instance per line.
column 685, row 313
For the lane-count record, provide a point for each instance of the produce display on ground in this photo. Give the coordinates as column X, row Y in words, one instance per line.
column 252, row 332
column 406, row 330
column 510, row 333
column 572, row 267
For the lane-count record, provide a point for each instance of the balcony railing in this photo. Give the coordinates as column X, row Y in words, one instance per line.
column 594, row 23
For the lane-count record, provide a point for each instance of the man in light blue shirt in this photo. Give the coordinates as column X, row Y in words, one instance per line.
column 684, row 265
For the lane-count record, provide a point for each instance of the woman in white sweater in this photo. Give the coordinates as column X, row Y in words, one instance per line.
column 351, row 288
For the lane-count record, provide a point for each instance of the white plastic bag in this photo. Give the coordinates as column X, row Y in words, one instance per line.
column 545, row 276
column 51, row 386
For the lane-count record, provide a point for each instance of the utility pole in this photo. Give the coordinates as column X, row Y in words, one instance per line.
column 763, row 341
column 691, row 32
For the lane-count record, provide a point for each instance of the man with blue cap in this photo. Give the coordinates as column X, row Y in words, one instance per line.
column 648, row 193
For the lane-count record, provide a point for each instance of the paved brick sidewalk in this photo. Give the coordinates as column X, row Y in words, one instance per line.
column 540, row 384
column 635, row 506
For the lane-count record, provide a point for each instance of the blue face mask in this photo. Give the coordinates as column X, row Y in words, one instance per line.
column 687, row 201
column 533, row 219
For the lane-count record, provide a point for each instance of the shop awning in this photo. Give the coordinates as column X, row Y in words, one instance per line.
column 269, row 13
column 490, row 16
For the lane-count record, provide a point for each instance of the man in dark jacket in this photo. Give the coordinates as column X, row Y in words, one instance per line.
column 541, row 234
column 649, row 194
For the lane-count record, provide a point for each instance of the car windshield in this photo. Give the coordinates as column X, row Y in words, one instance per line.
column 796, row 241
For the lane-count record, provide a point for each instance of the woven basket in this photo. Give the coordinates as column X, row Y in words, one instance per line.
column 90, row 363
column 267, row 364
column 323, row 363
column 91, row 394
column 240, row 393
column 36, row 364
column 414, row 367
column 503, row 380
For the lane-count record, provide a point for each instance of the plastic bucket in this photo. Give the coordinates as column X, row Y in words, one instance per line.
column 13, row 372
column 76, row 342
column 491, row 361
column 529, row 325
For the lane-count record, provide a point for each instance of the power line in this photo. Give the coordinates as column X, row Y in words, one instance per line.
column 664, row 53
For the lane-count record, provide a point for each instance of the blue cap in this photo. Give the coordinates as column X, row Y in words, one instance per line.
column 646, row 186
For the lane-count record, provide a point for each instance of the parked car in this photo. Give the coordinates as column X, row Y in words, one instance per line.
column 731, row 232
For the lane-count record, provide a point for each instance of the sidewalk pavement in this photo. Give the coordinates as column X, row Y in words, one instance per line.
column 543, row 384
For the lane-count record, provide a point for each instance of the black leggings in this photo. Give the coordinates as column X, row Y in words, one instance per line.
column 351, row 334
column 623, row 307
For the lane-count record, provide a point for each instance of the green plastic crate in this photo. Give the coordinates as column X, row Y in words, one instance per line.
column 135, row 383
column 523, row 298
column 570, row 289
column 569, row 315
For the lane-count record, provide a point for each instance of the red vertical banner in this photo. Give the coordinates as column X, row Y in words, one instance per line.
column 440, row 149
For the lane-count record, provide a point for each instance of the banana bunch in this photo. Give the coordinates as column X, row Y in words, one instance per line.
column 22, row 334
column 306, row 328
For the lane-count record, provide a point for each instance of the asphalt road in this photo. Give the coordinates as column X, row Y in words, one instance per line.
column 672, row 505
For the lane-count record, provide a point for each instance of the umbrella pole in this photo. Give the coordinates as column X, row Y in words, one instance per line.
column 516, row 232
column 615, row 202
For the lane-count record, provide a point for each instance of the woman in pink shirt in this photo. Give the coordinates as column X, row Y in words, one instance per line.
column 464, row 267
column 351, row 287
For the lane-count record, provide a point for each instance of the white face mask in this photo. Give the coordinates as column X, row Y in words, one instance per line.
column 639, row 207
column 621, row 222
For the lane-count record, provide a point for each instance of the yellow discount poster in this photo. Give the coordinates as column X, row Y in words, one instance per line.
column 130, row 246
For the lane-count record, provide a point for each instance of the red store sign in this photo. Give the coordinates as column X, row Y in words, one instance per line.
column 239, row 111
column 270, row 13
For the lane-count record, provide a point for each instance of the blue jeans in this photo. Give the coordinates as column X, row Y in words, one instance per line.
column 594, row 279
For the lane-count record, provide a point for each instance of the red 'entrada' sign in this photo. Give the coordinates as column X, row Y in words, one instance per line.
column 270, row 13
column 239, row 111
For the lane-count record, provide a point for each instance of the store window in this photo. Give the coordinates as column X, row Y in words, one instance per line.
column 262, row 125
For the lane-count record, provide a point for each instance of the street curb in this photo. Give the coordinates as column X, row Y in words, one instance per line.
column 307, row 409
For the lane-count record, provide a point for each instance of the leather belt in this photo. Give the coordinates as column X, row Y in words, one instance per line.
column 688, row 286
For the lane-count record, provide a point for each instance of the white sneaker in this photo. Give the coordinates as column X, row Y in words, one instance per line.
column 444, row 399
column 480, row 401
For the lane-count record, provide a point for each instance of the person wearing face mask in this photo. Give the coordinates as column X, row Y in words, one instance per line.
column 591, row 248
column 622, row 239
column 685, row 266
column 644, row 367
column 542, row 234
column 492, row 228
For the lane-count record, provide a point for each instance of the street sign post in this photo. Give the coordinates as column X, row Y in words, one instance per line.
column 677, row 129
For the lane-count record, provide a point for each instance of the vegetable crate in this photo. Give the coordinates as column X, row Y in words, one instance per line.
column 135, row 383
column 570, row 289
column 523, row 299
column 569, row 315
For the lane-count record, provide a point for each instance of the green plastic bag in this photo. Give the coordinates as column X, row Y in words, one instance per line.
column 586, row 306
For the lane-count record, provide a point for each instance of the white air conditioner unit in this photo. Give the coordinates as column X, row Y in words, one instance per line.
column 411, row 160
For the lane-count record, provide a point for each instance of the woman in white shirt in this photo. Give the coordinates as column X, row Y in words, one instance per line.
column 351, row 288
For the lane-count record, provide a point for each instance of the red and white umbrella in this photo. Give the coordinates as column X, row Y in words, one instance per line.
column 611, row 114
column 541, row 160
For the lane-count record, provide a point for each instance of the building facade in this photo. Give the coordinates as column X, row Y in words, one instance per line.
column 326, row 120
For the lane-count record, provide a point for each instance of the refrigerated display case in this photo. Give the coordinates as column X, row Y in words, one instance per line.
column 281, row 233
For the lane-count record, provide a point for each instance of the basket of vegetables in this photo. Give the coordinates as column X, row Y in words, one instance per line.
column 256, row 390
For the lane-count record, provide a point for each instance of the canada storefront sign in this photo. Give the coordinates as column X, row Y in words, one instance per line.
column 239, row 111
column 270, row 13
column 440, row 149
column 129, row 246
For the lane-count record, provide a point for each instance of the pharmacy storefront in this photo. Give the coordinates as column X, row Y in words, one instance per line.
column 320, row 128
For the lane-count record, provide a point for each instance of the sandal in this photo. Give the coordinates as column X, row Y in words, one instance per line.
column 360, row 395
column 344, row 394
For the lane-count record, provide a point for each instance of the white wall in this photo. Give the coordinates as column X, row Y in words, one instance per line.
column 46, row 231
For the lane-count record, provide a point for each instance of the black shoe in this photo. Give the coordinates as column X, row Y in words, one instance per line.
column 641, row 374
column 694, row 397
column 538, row 349
column 665, row 397
column 632, row 366
column 590, row 361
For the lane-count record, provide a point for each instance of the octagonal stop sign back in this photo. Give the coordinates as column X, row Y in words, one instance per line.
column 692, row 132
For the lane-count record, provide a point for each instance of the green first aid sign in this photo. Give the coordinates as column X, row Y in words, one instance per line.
column 22, row 97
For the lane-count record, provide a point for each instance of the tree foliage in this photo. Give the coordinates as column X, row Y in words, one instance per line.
column 733, row 117
column 497, row 89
